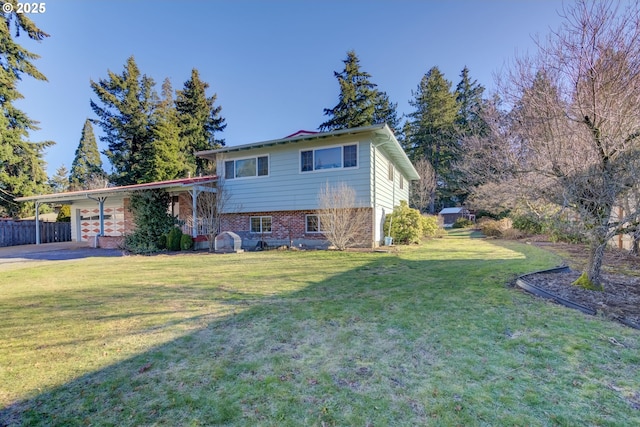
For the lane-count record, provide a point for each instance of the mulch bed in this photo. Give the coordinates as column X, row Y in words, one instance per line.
column 620, row 299
column 621, row 281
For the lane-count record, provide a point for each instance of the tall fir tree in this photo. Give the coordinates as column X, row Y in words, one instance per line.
column 22, row 168
column 168, row 160
column 59, row 182
column 430, row 131
column 470, row 123
column 386, row 112
column 360, row 103
column 357, row 99
column 199, row 120
column 125, row 110
column 469, row 96
column 86, row 169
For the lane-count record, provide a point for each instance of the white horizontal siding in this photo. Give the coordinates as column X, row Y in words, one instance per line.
column 286, row 188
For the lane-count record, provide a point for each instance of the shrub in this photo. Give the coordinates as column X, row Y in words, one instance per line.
column 151, row 219
column 186, row 242
column 512, row 234
column 174, row 239
column 493, row 228
column 162, row 242
column 564, row 231
column 409, row 225
column 64, row 215
column 528, row 224
column 431, row 226
column 463, row 223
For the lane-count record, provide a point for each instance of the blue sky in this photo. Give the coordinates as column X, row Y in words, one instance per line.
column 270, row 63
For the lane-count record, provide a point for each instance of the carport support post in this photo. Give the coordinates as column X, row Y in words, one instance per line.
column 37, row 223
column 194, row 209
column 101, row 204
column 100, row 201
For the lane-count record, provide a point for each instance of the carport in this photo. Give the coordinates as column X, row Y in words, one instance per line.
column 119, row 197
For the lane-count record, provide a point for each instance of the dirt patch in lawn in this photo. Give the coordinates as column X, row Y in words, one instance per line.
column 620, row 299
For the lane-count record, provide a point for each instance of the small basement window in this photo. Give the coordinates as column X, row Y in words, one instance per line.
column 260, row 224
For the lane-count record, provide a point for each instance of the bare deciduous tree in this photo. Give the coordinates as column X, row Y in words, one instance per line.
column 423, row 190
column 342, row 222
column 575, row 129
column 212, row 200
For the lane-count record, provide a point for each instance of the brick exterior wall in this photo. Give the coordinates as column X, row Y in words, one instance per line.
column 287, row 228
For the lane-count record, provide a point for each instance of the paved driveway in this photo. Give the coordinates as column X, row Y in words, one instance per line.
column 53, row 252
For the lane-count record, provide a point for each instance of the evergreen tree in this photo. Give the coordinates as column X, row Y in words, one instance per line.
column 128, row 101
column 59, row 182
column 167, row 159
column 430, row 131
column 385, row 112
column 360, row 103
column 86, row 169
column 22, row 169
column 469, row 96
column 199, row 120
column 357, row 100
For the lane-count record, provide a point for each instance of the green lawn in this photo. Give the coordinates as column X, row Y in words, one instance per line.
column 431, row 335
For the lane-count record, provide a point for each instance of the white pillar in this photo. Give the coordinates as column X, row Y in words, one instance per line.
column 37, row 223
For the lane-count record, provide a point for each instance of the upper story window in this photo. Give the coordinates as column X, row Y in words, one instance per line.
column 336, row 157
column 246, row 168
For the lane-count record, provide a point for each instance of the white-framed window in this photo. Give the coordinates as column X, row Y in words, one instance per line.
column 333, row 157
column 313, row 224
column 401, row 182
column 260, row 224
column 247, row 167
column 391, row 172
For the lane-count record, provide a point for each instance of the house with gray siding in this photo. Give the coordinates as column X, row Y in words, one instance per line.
column 273, row 186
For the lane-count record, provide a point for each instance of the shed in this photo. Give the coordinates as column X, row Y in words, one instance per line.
column 450, row 215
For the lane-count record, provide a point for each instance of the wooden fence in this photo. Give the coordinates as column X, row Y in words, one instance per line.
column 14, row 233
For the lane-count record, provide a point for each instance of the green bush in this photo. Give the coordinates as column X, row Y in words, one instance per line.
column 64, row 215
column 431, row 227
column 408, row 225
column 186, row 242
column 149, row 208
column 463, row 223
column 162, row 242
column 564, row 231
column 528, row 224
column 174, row 239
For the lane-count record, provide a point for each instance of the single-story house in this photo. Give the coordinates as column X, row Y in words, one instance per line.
column 450, row 215
column 273, row 188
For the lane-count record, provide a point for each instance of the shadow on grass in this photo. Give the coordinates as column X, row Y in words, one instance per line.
column 465, row 233
column 396, row 340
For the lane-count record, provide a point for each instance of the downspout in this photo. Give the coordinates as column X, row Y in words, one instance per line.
column 37, row 223
column 375, row 173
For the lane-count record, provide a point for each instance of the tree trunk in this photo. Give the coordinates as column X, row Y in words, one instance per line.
column 636, row 241
column 596, row 254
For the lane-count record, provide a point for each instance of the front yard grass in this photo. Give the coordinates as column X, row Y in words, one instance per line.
column 431, row 335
